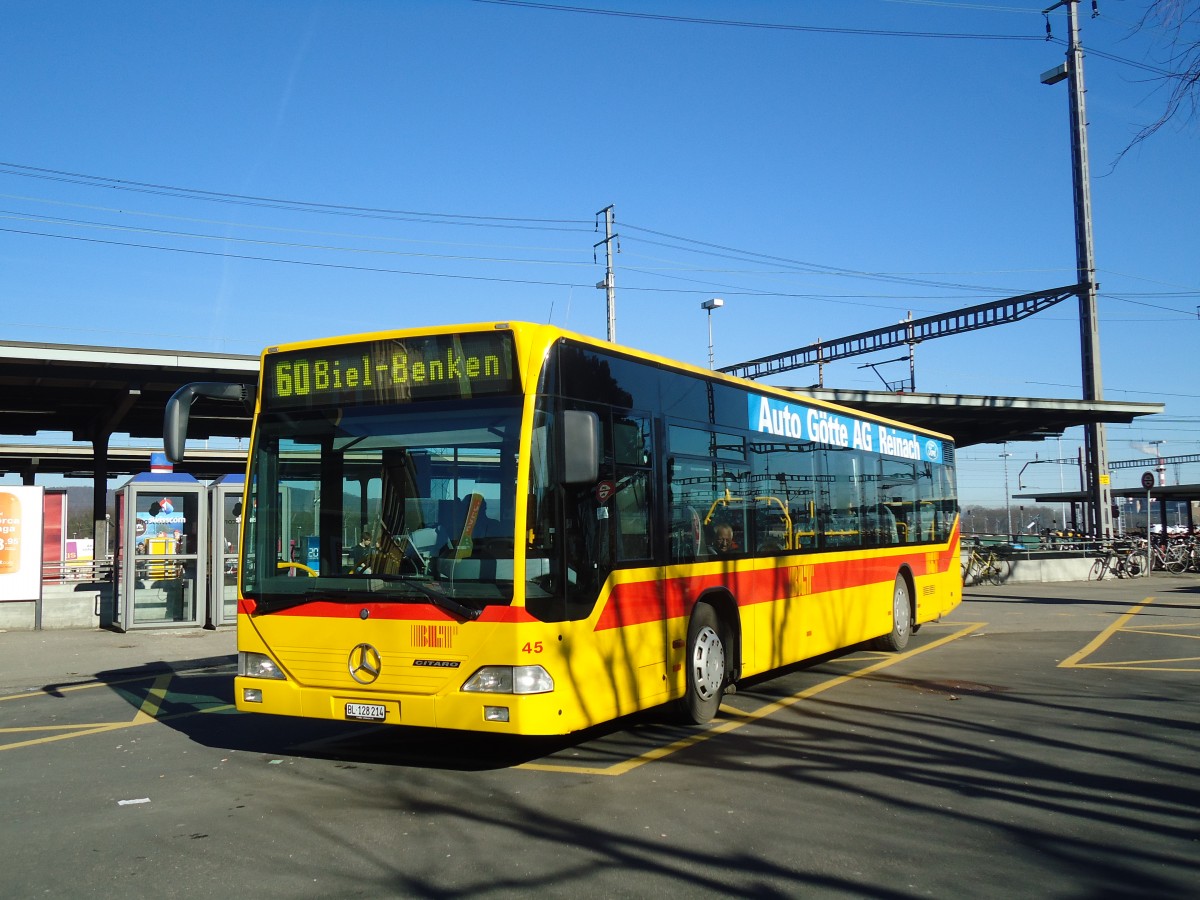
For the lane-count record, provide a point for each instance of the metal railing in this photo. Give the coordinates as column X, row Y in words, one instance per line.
column 65, row 571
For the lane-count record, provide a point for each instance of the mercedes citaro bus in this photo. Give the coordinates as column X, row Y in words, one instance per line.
column 511, row 528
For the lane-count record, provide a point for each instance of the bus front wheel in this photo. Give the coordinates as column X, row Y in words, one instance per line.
column 902, row 619
column 707, row 667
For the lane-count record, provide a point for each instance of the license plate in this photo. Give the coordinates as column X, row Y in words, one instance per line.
column 370, row 712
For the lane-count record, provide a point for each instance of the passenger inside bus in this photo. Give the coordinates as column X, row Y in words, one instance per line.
column 721, row 543
column 360, row 551
column 459, row 528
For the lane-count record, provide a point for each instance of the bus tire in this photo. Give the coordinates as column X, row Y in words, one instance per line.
column 707, row 665
column 902, row 619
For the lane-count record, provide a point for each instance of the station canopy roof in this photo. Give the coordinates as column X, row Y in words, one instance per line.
column 973, row 419
column 1189, row 492
column 92, row 392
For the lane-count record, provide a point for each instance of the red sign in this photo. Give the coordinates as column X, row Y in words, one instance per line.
column 604, row 490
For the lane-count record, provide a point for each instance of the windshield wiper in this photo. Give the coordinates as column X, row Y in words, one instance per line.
column 438, row 597
column 276, row 602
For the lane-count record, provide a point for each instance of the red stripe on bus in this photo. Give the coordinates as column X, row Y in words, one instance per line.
column 637, row 603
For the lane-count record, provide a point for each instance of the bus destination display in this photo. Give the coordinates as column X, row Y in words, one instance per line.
column 431, row 367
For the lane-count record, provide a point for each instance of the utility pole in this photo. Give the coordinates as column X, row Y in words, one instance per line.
column 710, row 305
column 1100, row 521
column 609, row 285
column 912, row 356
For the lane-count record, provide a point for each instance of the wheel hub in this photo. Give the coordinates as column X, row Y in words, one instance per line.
column 900, row 611
column 708, row 663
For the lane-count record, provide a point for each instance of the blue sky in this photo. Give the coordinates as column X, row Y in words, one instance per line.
column 221, row 176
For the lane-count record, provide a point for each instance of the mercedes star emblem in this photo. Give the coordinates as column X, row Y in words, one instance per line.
column 365, row 663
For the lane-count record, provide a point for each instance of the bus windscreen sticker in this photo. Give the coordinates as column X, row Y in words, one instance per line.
column 810, row 423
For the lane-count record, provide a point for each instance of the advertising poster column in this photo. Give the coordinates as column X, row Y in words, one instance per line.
column 20, row 543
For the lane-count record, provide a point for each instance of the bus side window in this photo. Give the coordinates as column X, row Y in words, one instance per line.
column 631, row 504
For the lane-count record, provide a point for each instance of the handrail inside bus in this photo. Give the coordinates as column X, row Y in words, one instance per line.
column 729, row 498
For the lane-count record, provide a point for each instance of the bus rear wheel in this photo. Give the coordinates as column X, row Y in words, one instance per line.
column 707, row 665
column 902, row 619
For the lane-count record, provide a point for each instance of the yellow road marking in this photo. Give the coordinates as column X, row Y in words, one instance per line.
column 1157, row 630
column 82, row 732
column 1145, row 665
column 154, row 699
column 742, row 718
column 87, row 686
column 1075, row 661
column 72, row 688
column 147, row 714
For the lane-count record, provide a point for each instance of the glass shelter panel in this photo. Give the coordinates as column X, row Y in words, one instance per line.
column 161, row 563
column 225, row 510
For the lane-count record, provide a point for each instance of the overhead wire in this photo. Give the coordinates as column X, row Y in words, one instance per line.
column 226, row 223
column 573, row 225
column 80, row 223
column 290, row 205
column 683, row 244
column 767, row 26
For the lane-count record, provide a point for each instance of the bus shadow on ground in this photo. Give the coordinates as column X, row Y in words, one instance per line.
column 195, row 698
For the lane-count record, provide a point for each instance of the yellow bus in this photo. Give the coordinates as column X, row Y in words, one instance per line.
column 511, row 528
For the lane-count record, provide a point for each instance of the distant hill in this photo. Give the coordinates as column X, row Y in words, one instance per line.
column 79, row 498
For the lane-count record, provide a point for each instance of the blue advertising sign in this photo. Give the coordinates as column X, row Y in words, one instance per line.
column 810, row 423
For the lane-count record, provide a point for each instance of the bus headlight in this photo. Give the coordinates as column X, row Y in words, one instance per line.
column 259, row 665
column 510, row 680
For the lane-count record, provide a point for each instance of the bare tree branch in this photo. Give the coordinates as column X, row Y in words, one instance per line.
column 1179, row 21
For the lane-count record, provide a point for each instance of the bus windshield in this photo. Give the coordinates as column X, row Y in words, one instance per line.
column 383, row 504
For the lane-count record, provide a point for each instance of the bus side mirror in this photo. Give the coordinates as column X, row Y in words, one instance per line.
column 175, row 416
column 581, row 439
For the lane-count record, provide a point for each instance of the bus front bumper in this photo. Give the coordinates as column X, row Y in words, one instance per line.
column 535, row 714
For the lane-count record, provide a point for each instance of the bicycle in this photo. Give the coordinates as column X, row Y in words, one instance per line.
column 1173, row 557
column 989, row 567
column 1125, row 562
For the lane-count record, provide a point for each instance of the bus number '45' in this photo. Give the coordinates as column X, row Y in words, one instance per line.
column 534, row 647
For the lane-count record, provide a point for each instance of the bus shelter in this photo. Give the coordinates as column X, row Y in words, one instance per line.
column 160, row 563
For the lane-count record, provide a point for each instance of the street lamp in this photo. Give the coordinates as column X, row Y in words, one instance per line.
column 1162, row 466
column 710, row 305
column 1007, row 508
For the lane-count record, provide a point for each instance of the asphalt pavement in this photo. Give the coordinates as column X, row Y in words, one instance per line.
column 1040, row 741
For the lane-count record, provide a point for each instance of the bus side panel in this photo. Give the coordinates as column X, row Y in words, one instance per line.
column 790, row 612
column 631, row 654
column 628, row 656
